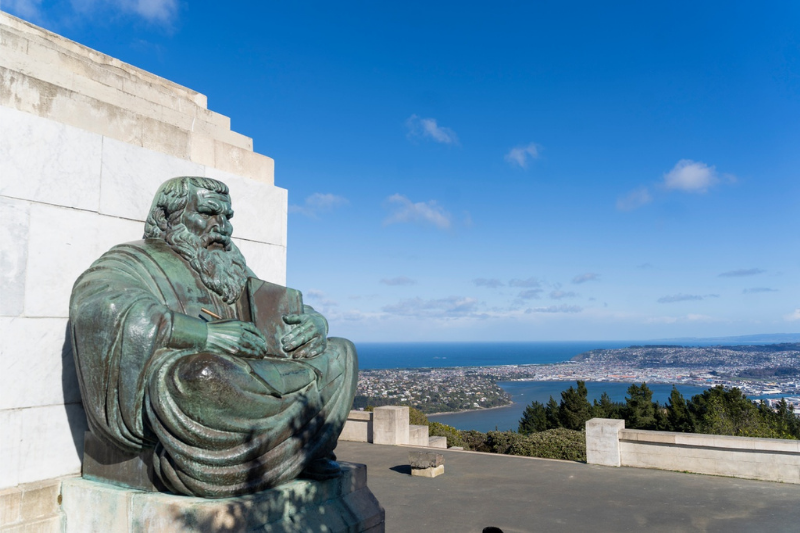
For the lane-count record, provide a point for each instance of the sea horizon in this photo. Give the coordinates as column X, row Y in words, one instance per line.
column 446, row 354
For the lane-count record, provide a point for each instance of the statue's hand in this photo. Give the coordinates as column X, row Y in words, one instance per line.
column 308, row 339
column 236, row 338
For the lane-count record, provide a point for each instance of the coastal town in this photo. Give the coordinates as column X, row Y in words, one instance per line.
column 759, row 371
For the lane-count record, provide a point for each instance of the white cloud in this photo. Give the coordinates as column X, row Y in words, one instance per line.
column 741, row 273
column 492, row 283
column 427, row 127
column 634, row 199
column 558, row 294
column 583, row 278
column 519, row 155
column 758, row 289
column 450, row 307
column 530, row 282
column 25, row 9
column 318, row 203
column 684, row 298
column 420, row 212
column 791, row 317
column 691, row 176
column 319, row 297
column 400, row 280
column 155, row 11
column 530, row 294
column 564, row 308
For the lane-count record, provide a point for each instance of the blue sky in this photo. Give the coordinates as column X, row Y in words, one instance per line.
column 506, row 171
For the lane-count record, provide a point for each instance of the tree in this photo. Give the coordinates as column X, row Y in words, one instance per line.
column 678, row 416
column 718, row 411
column 640, row 411
column 605, row 408
column 575, row 409
column 552, row 414
column 534, row 419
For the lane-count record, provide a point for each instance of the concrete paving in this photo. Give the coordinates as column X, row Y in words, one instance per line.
column 520, row 494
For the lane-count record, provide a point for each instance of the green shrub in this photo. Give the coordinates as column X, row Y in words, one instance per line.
column 475, row 440
column 560, row 443
column 417, row 417
column 436, row 429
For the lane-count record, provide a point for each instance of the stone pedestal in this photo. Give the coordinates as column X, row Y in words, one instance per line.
column 390, row 425
column 344, row 504
column 602, row 441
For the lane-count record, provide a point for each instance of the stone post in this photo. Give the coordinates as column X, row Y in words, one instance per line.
column 602, row 441
column 390, row 425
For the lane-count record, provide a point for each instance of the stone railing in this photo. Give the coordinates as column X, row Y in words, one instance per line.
column 609, row 443
column 388, row 425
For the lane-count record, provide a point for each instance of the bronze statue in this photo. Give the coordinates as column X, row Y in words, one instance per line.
column 180, row 348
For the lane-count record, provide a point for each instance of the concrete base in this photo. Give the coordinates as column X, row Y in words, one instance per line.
column 437, row 442
column 344, row 504
column 428, row 472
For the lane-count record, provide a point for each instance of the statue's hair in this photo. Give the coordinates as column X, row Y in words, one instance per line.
column 171, row 198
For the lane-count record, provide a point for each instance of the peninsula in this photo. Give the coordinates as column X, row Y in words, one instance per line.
column 756, row 370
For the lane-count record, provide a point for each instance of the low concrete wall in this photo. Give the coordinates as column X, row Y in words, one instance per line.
column 358, row 427
column 388, row 425
column 744, row 457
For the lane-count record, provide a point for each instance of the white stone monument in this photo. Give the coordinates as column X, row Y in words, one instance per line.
column 85, row 141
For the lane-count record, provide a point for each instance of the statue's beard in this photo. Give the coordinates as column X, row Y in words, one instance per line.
column 222, row 269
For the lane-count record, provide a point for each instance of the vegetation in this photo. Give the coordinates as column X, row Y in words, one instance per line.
column 716, row 411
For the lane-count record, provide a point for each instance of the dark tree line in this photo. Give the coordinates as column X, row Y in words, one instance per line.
column 716, row 411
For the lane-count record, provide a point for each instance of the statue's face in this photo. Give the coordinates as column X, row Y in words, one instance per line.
column 207, row 215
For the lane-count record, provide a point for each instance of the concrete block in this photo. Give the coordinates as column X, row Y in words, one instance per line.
column 82, row 62
column 357, row 429
column 390, row 425
column 260, row 210
column 131, row 176
column 10, row 447
column 10, row 506
column 418, row 435
column 40, row 500
column 425, row 459
column 602, row 441
column 339, row 505
column 37, row 362
column 44, row 161
column 428, row 472
column 62, row 244
column 90, row 506
column 14, row 215
column 201, row 150
column 268, row 261
column 46, row 100
column 243, row 162
column 437, row 442
column 52, row 442
column 777, row 445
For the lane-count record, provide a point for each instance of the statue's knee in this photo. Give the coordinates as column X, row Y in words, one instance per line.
column 202, row 369
column 345, row 348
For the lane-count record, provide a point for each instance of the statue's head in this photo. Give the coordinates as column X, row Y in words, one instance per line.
column 192, row 215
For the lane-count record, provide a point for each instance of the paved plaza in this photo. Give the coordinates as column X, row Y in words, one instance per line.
column 519, row 494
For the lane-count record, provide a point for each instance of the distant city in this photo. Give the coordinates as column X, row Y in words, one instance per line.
column 759, row 371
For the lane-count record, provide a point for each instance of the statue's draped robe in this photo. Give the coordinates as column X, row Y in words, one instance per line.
column 219, row 425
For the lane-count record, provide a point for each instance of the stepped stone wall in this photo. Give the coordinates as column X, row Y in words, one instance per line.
column 85, row 141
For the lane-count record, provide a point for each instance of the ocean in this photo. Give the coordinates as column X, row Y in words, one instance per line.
column 449, row 354
column 378, row 355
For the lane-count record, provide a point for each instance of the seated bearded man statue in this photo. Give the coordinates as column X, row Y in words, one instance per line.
column 170, row 356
